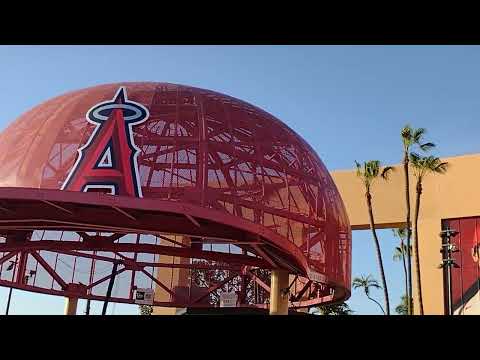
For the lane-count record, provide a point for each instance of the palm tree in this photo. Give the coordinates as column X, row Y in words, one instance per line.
column 365, row 283
column 368, row 173
column 401, row 253
column 402, row 308
column 411, row 137
column 422, row 165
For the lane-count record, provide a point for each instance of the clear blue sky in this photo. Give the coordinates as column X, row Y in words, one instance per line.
column 348, row 102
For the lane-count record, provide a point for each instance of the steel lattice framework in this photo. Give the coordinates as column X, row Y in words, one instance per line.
column 229, row 193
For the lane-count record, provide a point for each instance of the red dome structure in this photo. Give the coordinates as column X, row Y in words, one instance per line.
column 211, row 193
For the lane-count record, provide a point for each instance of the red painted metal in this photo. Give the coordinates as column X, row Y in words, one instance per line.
column 465, row 279
column 229, row 192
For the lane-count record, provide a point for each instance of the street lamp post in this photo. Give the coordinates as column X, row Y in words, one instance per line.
column 447, row 262
column 110, row 286
column 87, row 310
column 8, row 301
column 9, row 268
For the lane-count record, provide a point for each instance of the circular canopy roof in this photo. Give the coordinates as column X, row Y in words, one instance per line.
column 184, row 163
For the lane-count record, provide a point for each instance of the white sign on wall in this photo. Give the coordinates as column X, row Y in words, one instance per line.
column 317, row 277
column 144, row 296
column 228, row 299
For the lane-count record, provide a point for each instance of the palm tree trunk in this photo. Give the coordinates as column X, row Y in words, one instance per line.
column 409, row 233
column 376, row 302
column 415, row 244
column 402, row 246
column 379, row 253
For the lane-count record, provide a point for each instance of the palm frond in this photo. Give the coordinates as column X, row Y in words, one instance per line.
column 402, row 308
column 401, row 233
column 365, row 282
column 427, row 164
column 371, row 168
column 397, row 254
column 415, row 158
column 386, row 172
column 418, row 134
column 359, row 169
column 401, row 251
column 441, row 168
column 374, row 164
column 427, row 146
column 358, row 282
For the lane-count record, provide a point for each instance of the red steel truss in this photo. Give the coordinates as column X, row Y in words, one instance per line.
column 229, row 193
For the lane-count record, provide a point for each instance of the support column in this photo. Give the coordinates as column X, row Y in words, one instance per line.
column 178, row 278
column 278, row 301
column 71, row 306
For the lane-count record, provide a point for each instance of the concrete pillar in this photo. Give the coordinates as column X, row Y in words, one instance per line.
column 71, row 306
column 179, row 278
column 278, row 301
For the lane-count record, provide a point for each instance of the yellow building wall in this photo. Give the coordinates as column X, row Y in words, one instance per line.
column 455, row 194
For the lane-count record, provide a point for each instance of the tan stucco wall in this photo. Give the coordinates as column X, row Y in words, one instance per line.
column 455, row 194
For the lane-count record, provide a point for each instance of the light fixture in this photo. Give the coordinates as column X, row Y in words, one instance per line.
column 12, row 264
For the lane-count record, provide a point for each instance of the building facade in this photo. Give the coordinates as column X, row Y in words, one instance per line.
column 453, row 200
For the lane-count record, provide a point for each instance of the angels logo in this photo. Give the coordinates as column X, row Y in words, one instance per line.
column 108, row 161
